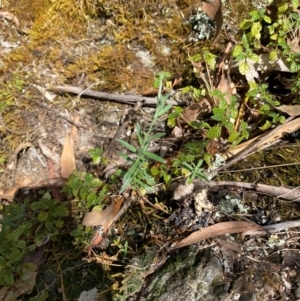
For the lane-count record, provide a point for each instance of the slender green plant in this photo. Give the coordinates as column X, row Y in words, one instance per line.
column 137, row 176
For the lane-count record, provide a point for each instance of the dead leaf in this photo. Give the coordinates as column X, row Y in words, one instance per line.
column 103, row 217
column 217, row 230
column 68, row 164
column 290, row 110
column 68, row 158
column 285, row 129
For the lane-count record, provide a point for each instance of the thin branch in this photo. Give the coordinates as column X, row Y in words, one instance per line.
column 126, row 99
column 290, row 194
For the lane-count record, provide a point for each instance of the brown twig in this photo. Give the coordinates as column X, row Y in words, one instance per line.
column 127, row 99
column 290, row 194
column 61, row 281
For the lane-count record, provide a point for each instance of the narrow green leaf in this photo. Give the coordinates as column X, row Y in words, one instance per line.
column 129, row 176
column 154, row 157
column 127, row 145
column 154, row 137
column 163, row 110
column 188, row 166
column 126, row 157
column 139, row 133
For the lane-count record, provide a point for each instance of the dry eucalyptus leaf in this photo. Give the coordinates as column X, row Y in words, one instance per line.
column 196, row 111
column 217, row 230
column 96, row 218
column 68, row 158
column 103, row 217
column 292, row 111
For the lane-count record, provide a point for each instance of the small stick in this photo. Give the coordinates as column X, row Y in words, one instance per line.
column 127, row 99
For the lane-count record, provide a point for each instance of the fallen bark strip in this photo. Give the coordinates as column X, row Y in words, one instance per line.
column 246, row 228
column 256, row 144
column 217, row 230
column 290, row 194
column 126, row 99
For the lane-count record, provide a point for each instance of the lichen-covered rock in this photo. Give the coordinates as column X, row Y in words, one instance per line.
column 203, row 27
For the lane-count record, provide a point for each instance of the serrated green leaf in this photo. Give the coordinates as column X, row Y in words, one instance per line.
column 283, row 7
column 255, row 14
column 35, row 206
column 214, row 132
column 246, row 24
column 273, row 55
column 267, row 19
column 49, row 225
column 127, row 145
column 186, row 89
column 21, row 244
column 233, row 137
column 43, row 216
column 295, row 4
column 8, row 277
column 255, row 29
column 59, row 224
column 61, row 211
column 266, row 125
column 209, row 58
column 15, row 255
column 238, row 49
column 244, row 68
